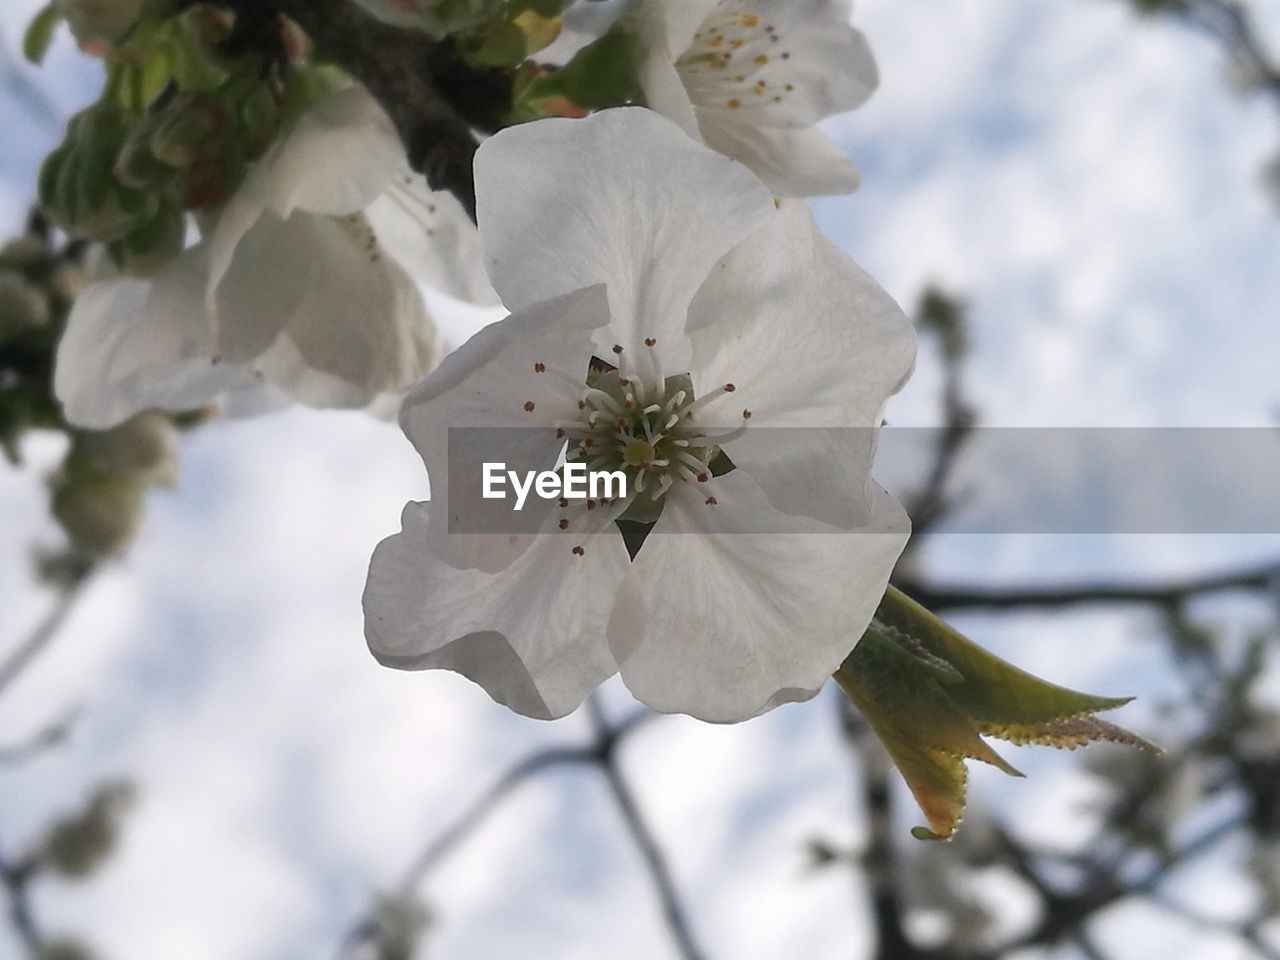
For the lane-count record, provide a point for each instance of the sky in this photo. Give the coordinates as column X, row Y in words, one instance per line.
column 1089, row 187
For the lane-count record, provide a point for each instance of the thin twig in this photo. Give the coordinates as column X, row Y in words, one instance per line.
column 655, row 861
column 44, row 633
column 16, row 880
column 1168, row 593
column 475, row 815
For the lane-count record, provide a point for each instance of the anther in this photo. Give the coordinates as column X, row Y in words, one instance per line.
column 579, row 552
column 528, row 406
column 539, row 368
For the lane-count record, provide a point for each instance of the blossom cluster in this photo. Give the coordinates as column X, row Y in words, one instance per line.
column 674, row 315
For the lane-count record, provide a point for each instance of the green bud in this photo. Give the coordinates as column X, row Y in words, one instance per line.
column 188, row 127
column 76, row 845
column 155, row 243
column 23, row 252
column 136, row 165
column 144, row 447
column 22, row 304
column 100, row 513
column 77, row 185
column 105, row 21
column 259, row 120
column 64, row 948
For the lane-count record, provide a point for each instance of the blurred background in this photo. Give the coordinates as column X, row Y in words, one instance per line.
column 1079, row 200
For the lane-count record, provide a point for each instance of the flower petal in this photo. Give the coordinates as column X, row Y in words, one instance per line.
column 432, row 237
column 132, row 345
column 779, row 63
column 498, row 398
column 814, row 346
column 663, row 34
column 723, row 625
column 564, row 204
column 340, row 155
column 792, row 163
column 680, row 19
column 531, row 636
column 322, row 282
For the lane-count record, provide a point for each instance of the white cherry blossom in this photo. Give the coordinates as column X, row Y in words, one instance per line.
column 306, row 281
column 714, row 320
column 751, row 78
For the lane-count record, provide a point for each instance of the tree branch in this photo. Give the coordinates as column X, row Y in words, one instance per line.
column 27, row 651
column 1170, row 593
column 659, row 871
column 396, row 67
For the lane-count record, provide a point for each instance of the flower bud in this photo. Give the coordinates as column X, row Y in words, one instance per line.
column 24, row 251
column 155, row 243
column 76, row 845
column 105, row 21
column 99, row 512
column 136, row 165
column 77, row 186
column 64, row 948
column 22, row 304
column 188, row 127
column 144, row 447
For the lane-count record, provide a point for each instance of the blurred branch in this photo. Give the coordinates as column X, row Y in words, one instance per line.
column 607, row 741
column 47, row 738
column 944, row 317
column 878, row 861
column 1169, row 593
column 1230, row 23
column 598, row 752
column 26, row 652
column 16, row 879
column 398, row 68
column 475, row 815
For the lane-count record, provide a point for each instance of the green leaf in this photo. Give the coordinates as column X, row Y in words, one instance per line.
column 602, row 74
column 39, row 35
column 930, row 694
column 990, row 688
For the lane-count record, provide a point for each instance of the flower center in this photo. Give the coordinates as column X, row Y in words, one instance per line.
column 649, row 431
column 736, row 62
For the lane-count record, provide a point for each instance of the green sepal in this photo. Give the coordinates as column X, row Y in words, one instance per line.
column 39, row 36
column 602, row 74
column 930, row 694
column 990, row 689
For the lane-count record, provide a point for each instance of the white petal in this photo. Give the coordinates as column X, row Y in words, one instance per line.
column 792, row 163
column 780, row 63
column 680, row 19
column 532, row 636
column 814, row 346
column 662, row 85
column 338, row 159
column 322, row 283
column 724, row 625
column 489, row 402
column 432, row 237
column 131, row 345
column 340, row 155
column 622, row 198
column 257, row 282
